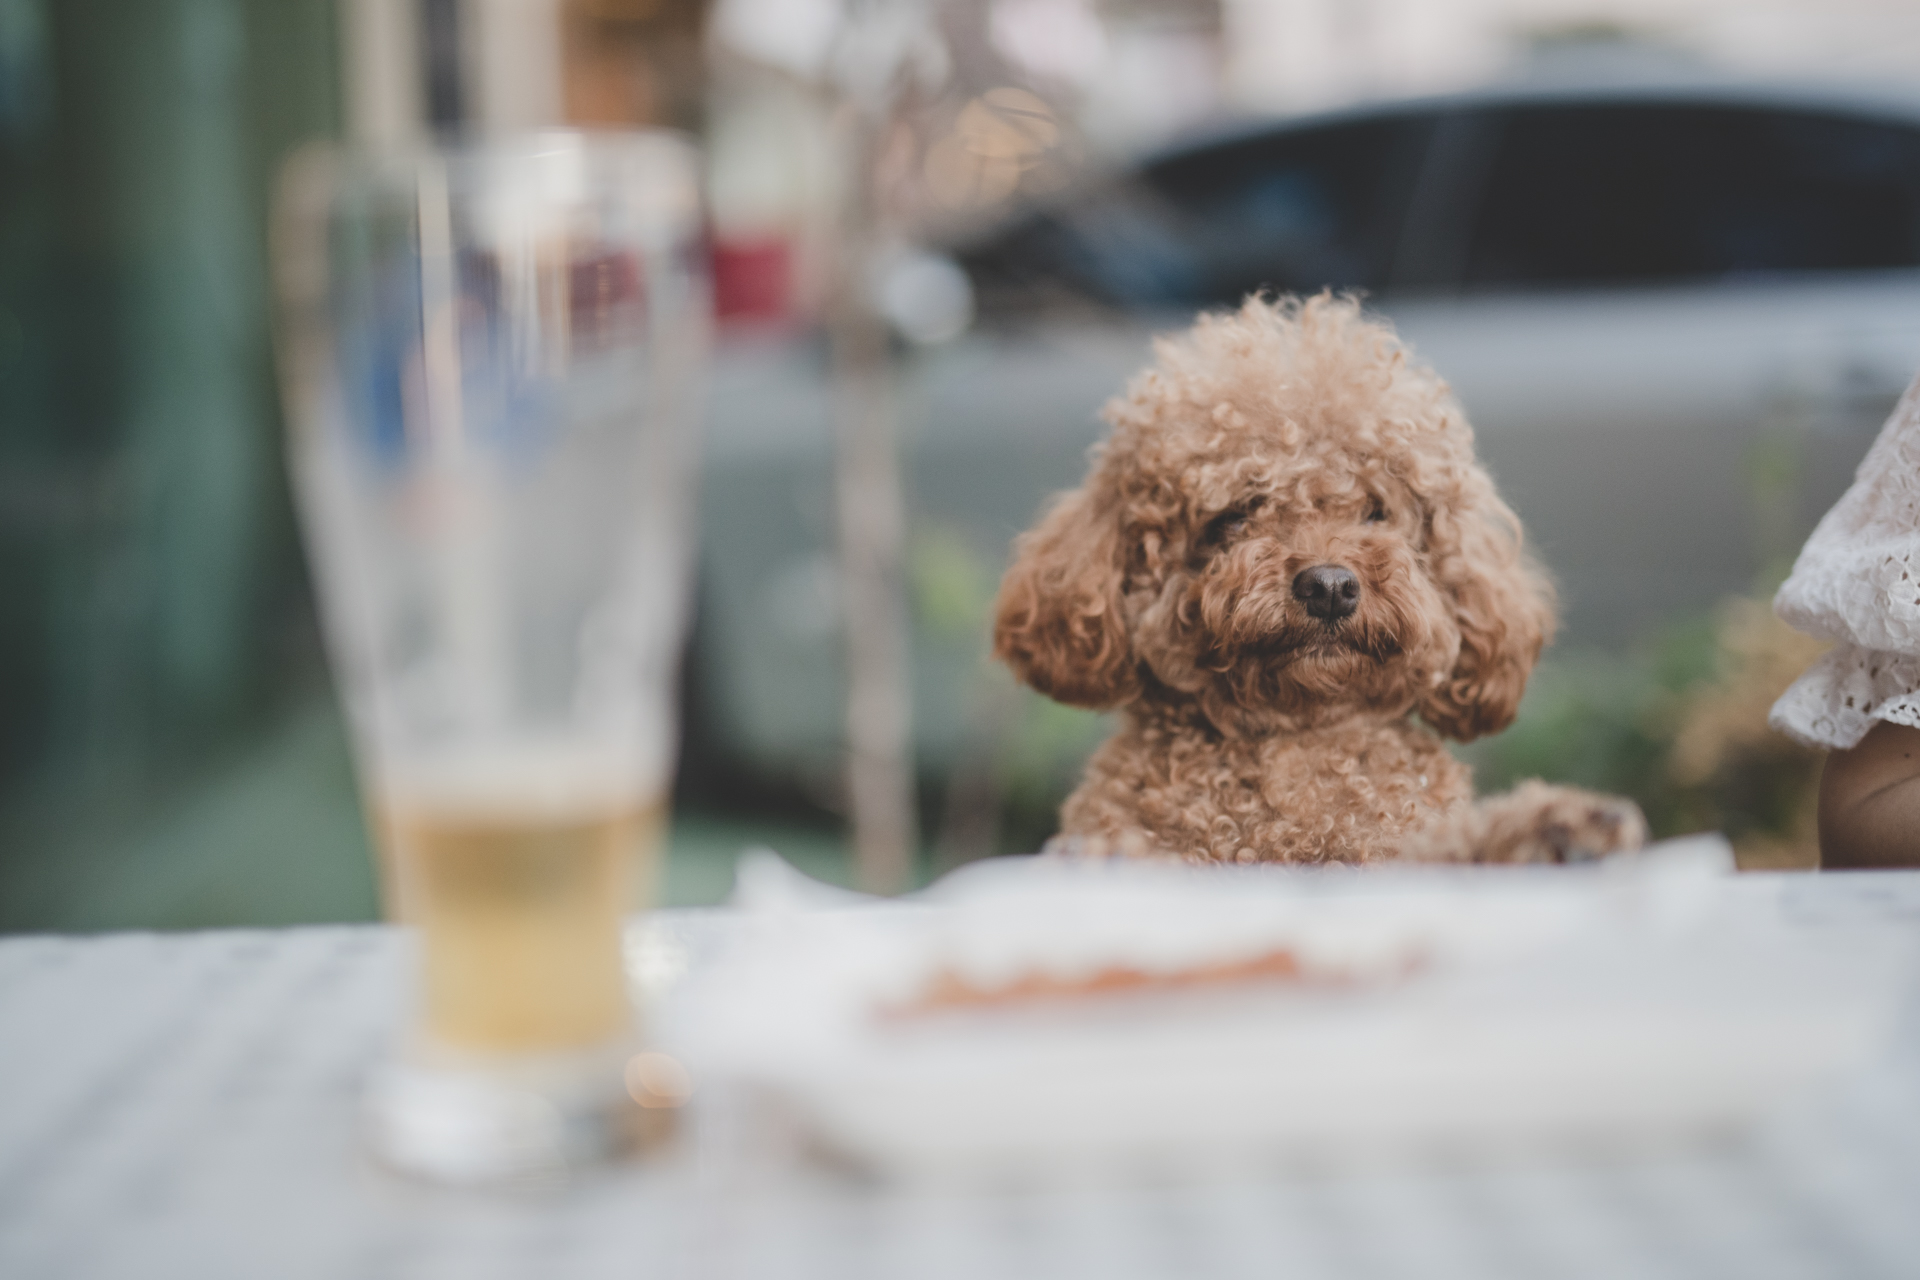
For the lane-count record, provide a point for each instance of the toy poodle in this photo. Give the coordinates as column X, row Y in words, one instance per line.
column 1283, row 555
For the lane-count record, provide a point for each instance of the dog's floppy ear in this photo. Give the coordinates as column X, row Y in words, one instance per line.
column 1057, row 622
column 1503, row 605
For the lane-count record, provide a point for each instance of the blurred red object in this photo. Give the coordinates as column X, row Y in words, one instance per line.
column 753, row 279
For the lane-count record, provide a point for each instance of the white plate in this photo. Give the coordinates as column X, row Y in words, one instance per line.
column 1643, row 999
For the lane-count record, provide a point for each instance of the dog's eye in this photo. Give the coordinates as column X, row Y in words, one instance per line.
column 1223, row 526
column 1227, row 524
column 1377, row 513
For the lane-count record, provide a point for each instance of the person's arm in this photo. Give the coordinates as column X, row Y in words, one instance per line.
column 1870, row 801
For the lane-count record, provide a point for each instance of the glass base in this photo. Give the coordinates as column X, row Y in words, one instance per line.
column 531, row 1119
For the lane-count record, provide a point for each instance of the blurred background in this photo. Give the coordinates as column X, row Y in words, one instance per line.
column 1667, row 251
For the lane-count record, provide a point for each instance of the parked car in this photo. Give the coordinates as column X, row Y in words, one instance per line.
column 1676, row 311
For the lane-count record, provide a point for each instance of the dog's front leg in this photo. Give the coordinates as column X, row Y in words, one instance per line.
column 1534, row 822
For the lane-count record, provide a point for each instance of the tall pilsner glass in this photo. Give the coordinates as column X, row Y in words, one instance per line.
column 492, row 357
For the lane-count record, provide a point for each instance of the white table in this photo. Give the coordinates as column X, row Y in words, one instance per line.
column 184, row 1105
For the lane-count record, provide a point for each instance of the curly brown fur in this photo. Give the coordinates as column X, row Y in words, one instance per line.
column 1287, row 436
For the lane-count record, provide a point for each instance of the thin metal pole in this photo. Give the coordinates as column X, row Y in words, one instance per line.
column 872, row 535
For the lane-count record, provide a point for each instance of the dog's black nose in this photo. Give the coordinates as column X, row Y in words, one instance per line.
column 1328, row 591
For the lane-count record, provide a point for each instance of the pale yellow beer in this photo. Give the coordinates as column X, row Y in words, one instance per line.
column 520, row 917
column 493, row 469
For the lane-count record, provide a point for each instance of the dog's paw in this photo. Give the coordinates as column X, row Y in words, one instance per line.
column 1595, row 827
column 1542, row 823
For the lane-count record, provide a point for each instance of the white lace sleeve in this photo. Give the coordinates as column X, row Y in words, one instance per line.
column 1844, row 692
column 1857, row 583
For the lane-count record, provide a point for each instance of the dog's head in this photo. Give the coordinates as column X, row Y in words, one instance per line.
column 1288, row 527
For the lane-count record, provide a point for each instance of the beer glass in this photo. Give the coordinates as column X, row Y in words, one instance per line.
column 492, row 357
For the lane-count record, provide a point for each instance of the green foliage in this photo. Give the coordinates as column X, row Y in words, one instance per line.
column 1039, row 763
column 1680, row 726
column 1597, row 719
column 951, row 584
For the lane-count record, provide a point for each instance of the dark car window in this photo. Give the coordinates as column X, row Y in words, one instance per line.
column 1648, row 192
column 1293, row 211
column 1289, row 210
